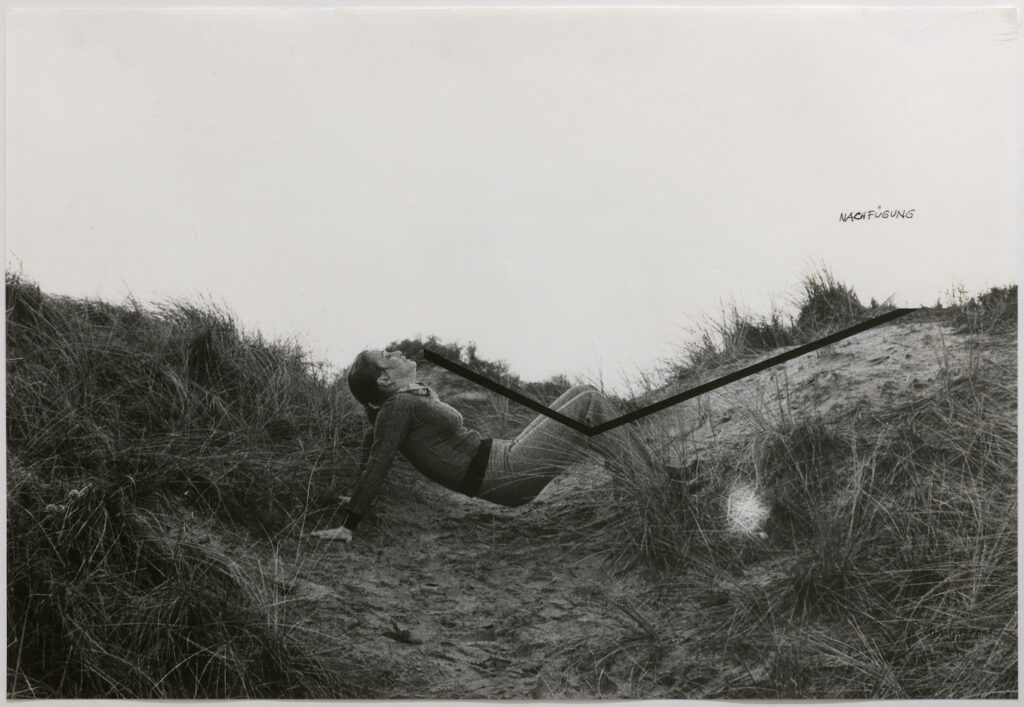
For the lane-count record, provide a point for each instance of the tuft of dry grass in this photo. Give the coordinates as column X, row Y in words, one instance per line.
column 823, row 306
column 992, row 312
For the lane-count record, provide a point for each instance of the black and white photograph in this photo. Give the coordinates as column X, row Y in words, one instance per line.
column 511, row 352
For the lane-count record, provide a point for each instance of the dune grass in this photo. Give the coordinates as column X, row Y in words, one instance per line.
column 880, row 561
column 822, row 306
column 885, row 559
column 128, row 431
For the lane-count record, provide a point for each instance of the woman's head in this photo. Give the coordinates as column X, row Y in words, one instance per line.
column 375, row 375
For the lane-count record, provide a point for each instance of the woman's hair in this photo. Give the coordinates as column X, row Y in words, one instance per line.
column 362, row 381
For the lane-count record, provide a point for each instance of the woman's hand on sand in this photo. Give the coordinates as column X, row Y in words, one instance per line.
column 341, row 533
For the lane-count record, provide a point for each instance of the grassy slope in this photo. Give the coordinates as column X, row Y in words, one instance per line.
column 127, row 432
column 889, row 567
column 889, row 563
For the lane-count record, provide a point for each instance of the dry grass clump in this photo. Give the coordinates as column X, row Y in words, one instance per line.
column 108, row 600
column 177, row 400
column 114, row 412
column 914, row 557
column 823, row 306
column 992, row 312
column 734, row 335
column 826, row 304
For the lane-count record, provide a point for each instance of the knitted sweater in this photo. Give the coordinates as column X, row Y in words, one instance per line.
column 428, row 432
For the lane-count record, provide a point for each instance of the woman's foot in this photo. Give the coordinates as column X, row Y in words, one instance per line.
column 340, row 533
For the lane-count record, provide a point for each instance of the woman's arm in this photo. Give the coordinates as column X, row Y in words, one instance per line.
column 367, row 445
column 394, row 421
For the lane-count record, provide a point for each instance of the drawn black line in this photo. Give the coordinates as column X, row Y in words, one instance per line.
column 592, row 431
column 486, row 382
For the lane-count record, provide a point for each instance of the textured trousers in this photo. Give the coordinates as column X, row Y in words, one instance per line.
column 520, row 468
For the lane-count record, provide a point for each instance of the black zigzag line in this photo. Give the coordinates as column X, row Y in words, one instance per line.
column 668, row 402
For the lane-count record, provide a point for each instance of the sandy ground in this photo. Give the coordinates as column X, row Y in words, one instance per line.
column 870, row 372
column 451, row 597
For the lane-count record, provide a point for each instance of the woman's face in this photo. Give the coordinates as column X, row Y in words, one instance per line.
column 396, row 370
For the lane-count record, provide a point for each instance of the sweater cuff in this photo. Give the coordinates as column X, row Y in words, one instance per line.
column 351, row 520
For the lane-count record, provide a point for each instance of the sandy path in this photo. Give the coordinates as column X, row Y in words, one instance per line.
column 454, row 598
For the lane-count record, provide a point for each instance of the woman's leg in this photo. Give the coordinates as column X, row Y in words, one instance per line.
column 546, row 447
column 559, row 403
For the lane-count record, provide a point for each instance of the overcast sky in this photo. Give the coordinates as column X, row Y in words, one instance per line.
column 571, row 189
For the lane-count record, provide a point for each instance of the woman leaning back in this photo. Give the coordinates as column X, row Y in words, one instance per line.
column 408, row 417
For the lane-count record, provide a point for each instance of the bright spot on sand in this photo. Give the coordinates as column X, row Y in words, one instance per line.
column 745, row 511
